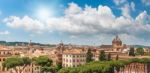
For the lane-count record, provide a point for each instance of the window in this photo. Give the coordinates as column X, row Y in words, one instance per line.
column 74, row 66
column 64, row 59
column 73, row 56
column 66, row 65
column 82, row 55
column 77, row 60
column 83, row 60
column 73, row 60
column 70, row 60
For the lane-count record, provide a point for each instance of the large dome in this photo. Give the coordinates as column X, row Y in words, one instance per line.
column 117, row 40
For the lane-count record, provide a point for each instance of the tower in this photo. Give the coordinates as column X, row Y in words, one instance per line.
column 60, row 47
column 30, row 43
column 30, row 48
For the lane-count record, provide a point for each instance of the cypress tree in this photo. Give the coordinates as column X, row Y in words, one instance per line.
column 109, row 57
column 131, row 51
column 102, row 56
column 89, row 56
column 117, row 57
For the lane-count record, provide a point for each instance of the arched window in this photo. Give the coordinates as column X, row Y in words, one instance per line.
column 73, row 60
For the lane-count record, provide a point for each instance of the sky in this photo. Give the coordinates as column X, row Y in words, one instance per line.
column 83, row 22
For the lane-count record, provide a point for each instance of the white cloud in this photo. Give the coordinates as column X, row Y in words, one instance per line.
column 4, row 32
column 73, row 9
column 89, row 21
column 126, row 10
column 132, row 6
column 118, row 2
column 143, row 18
column 146, row 2
column 26, row 23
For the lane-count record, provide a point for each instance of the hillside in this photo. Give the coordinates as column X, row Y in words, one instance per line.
column 22, row 43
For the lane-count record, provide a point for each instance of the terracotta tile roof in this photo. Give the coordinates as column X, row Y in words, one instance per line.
column 39, row 53
column 4, row 48
column 74, row 51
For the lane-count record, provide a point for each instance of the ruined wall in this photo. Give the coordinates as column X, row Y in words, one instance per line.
column 135, row 68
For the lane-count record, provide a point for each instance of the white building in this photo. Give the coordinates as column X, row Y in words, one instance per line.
column 73, row 58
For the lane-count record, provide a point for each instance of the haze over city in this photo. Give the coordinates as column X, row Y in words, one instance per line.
column 85, row 22
column 74, row 36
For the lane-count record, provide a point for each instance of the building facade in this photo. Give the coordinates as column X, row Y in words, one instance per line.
column 73, row 58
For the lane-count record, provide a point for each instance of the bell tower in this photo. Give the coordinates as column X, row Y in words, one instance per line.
column 60, row 47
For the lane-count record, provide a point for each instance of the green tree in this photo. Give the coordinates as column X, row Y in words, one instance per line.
column 140, row 51
column 131, row 51
column 44, row 62
column 64, row 70
column 102, row 56
column 89, row 56
column 59, row 66
column 103, row 66
column 16, row 63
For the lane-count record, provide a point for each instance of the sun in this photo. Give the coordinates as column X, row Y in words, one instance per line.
column 44, row 13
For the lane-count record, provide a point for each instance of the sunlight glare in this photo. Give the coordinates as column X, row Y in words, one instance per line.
column 44, row 13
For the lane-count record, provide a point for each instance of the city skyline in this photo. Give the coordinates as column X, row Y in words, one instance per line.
column 86, row 22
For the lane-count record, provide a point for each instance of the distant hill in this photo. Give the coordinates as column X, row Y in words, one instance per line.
column 136, row 46
column 23, row 44
column 49, row 45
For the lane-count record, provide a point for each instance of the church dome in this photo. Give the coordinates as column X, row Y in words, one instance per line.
column 116, row 40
